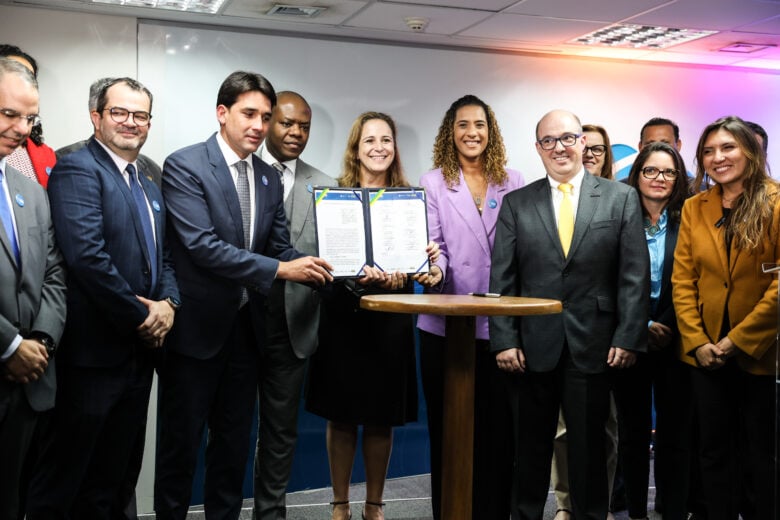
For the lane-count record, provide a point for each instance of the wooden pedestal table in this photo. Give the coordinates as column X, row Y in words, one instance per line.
column 460, row 312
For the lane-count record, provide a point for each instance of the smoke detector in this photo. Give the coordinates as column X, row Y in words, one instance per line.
column 416, row 23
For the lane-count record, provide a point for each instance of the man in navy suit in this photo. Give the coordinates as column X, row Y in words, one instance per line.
column 122, row 295
column 576, row 238
column 32, row 291
column 230, row 241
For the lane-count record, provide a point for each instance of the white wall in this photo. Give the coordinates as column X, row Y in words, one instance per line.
column 184, row 67
column 414, row 85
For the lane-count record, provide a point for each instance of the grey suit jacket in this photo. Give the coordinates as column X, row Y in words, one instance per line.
column 300, row 301
column 32, row 299
column 603, row 282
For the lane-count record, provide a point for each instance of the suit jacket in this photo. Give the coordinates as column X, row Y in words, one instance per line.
column 146, row 165
column 706, row 281
column 99, row 232
column 603, row 283
column 207, row 241
column 465, row 239
column 664, row 311
column 32, row 299
column 301, row 303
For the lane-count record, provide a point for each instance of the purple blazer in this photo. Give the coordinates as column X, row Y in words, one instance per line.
column 465, row 238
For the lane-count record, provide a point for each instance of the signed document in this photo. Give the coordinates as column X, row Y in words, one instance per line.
column 385, row 228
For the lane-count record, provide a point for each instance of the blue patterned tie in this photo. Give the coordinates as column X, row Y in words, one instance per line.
column 8, row 220
column 146, row 224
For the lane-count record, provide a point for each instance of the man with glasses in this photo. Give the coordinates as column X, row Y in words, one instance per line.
column 32, row 290
column 576, row 238
column 122, row 296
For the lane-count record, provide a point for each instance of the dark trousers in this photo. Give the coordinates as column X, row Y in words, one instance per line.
column 659, row 375
column 218, row 393
column 584, row 400
column 17, row 427
column 280, row 382
column 97, row 418
column 493, row 439
column 736, row 413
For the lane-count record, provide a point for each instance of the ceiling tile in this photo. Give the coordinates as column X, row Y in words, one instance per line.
column 391, row 17
column 608, row 11
column 531, row 28
column 484, row 5
column 711, row 14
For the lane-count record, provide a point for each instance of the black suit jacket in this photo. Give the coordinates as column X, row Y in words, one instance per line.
column 602, row 283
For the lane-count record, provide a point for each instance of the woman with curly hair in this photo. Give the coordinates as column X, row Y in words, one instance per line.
column 727, row 316
column 464, row 195
column 364, row 371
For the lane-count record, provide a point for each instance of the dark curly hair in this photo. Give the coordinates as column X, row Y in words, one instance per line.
column 445, row 154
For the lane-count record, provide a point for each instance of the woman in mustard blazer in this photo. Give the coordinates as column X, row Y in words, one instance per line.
column 727, row 316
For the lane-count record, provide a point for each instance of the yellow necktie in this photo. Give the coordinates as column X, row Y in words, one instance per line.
column 566, row 218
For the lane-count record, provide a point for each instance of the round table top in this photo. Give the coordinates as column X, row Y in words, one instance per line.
column 459, row 305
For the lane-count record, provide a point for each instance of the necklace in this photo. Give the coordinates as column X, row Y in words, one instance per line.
column 478, row 202
column 650, row 228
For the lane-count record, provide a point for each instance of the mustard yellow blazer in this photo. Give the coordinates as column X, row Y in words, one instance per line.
column 705, row 281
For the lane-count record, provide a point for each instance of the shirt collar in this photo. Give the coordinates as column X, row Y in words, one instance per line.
column 118, row 161
column 575, row 181
column 269, row 159
column 230, row 156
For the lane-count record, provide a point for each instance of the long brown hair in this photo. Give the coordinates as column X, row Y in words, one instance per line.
column 350, row 175
column 445, row 154
column 751, row 212
column 606, row 169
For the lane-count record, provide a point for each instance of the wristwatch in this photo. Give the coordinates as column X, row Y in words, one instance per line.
column 46, row 341
column 175, row 303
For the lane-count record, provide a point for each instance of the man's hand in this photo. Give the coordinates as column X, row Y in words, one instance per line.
column 388, row 281
column 511, row 360
column 27, row 363
column 157, row 323
column 659, row 335
column 306, row 269
column 620, row 358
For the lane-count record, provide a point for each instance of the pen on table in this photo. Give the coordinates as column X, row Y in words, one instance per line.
column 485, row 294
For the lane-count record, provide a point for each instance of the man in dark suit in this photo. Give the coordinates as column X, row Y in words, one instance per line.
column 122, row 295
column 579, row 239
column 145, row 164
column 292, row 310
column 230, row 242
column 32, row 290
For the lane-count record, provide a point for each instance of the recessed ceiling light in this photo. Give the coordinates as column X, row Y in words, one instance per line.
column 305, row 11
column 745, row 48
column 640, row 36
column 190, row 6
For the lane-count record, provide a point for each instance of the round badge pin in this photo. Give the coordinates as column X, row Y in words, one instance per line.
column 309, row 188
column 156, row 206
column 48, row 170
column 19, row 200
column 265, row 180
column 493, row 203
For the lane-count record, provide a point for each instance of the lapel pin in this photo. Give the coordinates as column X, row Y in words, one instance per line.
column 156, row 206
column 309, row 188
column 493, row 203
column 48, row 170
column 19, row 200
column 265, row 180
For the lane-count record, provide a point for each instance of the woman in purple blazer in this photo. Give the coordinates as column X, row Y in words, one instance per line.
column 464, row 195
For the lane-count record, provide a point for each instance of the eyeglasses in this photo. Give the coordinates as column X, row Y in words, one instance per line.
column 12, row 115
column 652, row 173
column 597, row 150
column 567, row 140
column 120, row 115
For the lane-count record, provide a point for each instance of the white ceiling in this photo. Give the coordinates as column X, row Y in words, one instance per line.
column 536, row 26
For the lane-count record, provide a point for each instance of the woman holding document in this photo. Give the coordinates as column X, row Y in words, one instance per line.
column 464, row 196
column 364, row 371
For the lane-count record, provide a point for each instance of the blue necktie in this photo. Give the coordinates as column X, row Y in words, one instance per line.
column 8, row 220
column 143, row 214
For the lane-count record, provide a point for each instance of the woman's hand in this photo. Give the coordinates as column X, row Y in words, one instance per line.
column 659, row 335
column 429, row 279
column 432, row 249
column 710, row 356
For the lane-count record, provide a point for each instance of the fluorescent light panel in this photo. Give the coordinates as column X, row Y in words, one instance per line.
column 640, row 36
column 190, row 6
